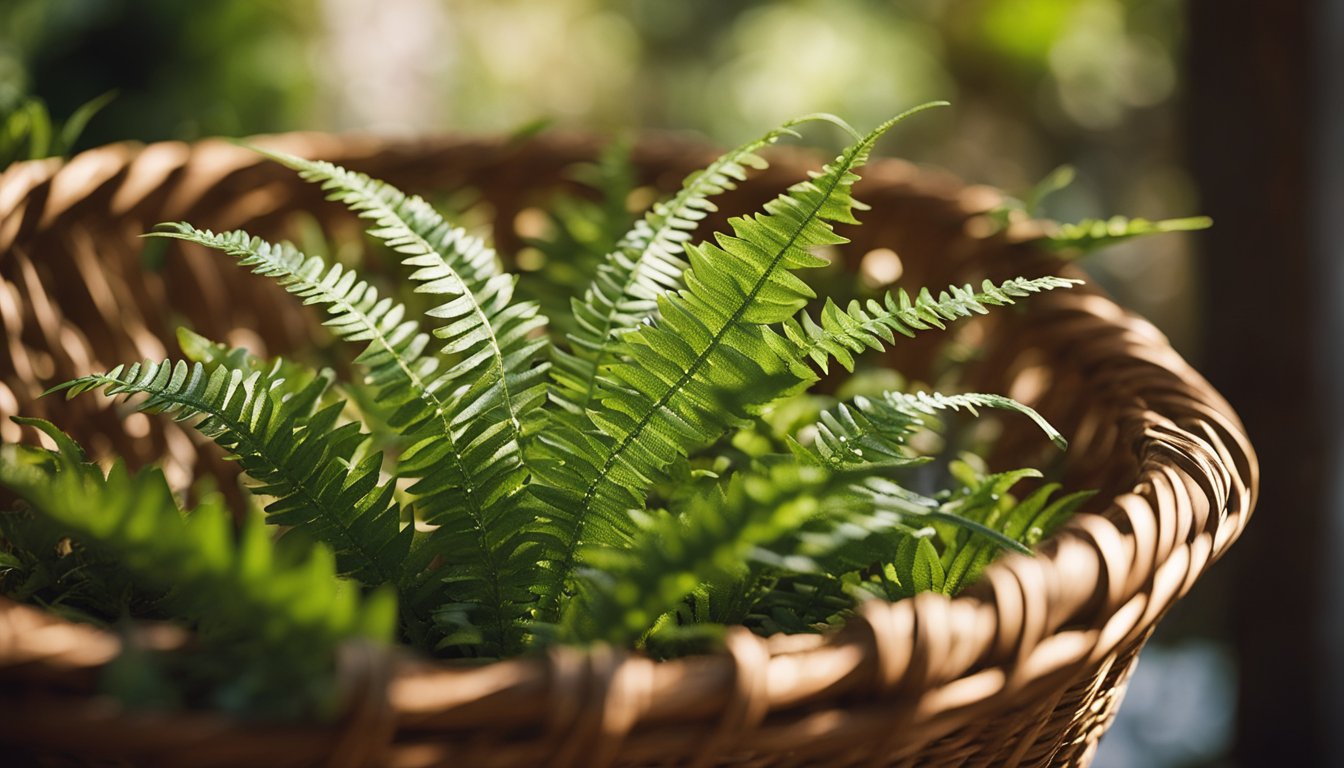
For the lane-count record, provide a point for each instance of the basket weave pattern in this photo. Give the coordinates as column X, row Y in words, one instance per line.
column 1025, row 668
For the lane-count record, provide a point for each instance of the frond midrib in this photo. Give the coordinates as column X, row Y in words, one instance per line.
column 604, row 474
column 387, row 211
column 608, row 322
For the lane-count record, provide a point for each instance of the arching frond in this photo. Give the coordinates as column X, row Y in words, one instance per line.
column 706, row 362
column 464, row 448
column 492, row 349
column 646, row 263
column 872, row 432
column 303, row 457
column 842, row 334
column 1093, row 234
column 494, row 342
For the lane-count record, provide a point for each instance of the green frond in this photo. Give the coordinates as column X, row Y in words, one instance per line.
column 873, row 432
column 646, row 263
column 1092, row 234
column 297, row 453
column 408, row 380
column 406, row 223
column 843, row 334
column 987, row 499
column 495, row 343
column 627, row 589
column 470, row 473
column 704, row 364
column 287, row 614
column 464, row 450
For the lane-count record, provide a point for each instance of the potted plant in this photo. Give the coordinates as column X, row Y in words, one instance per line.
column 584, row 504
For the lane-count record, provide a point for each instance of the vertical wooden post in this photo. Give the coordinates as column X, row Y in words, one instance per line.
column 1274, row 343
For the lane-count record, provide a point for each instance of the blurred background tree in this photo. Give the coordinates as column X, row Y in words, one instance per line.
column 1097, row 84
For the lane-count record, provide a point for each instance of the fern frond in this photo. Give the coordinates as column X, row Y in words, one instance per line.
column 1092, row 234
column 987, row 498
column 646, row 263
column 305, row 459
column 406, row 223
column 873, row 432
column 407, row 379
column 705, row 363
column 496, row 343
column 844, row 333
column 287, row 614
column 469, row 474
column 464, row 452
column 627, row 589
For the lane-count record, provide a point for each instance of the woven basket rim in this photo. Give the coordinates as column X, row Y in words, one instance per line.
column 1097, row 586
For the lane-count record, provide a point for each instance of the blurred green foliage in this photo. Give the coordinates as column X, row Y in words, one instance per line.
column 182, row 69
column 1035, row 83
column 28, row 132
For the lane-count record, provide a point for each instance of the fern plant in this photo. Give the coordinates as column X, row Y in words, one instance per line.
column 658, row 471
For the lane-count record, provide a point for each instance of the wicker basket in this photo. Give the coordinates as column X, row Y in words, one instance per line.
column 1026, row 668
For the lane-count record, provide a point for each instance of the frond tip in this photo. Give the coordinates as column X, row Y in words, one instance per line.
column 844, row 333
